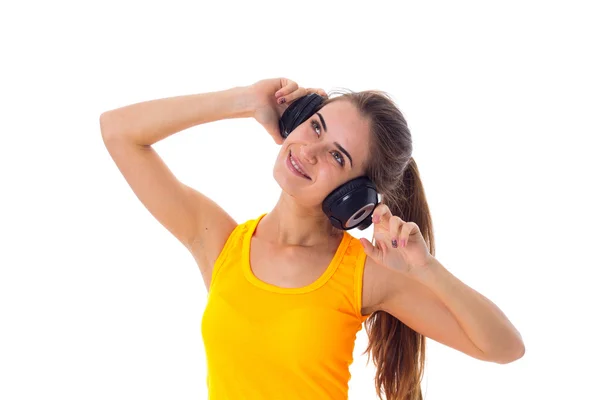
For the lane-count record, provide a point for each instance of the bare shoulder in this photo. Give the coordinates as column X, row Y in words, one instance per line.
column 378, row 281
column 214, row 226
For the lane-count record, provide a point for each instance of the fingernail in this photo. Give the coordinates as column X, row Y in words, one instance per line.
column 281, row 100
column 403, row 243
column 394, row 243
column 376, row 219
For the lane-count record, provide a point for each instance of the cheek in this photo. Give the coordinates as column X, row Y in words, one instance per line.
column 330, row 169
column 303, row 132
column 329, row 179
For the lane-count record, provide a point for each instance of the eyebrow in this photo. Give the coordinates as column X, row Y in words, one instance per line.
column 343, row 150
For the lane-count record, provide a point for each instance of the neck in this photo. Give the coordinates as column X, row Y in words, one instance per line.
column 290, row 224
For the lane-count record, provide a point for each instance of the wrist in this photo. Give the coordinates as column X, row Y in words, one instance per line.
column 241, row 100
column 429, row 271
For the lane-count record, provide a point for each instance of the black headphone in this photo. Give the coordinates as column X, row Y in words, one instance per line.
column 351, row 204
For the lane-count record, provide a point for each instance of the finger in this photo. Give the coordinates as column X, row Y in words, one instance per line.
column 381, row 214
column 380, row 243
column 370, row 250
column 395, row 224
column 405, row 232
column 295, row 95
column 288, row 86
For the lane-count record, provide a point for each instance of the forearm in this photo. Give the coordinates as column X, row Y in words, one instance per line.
column 482, row 321
column 151, row 121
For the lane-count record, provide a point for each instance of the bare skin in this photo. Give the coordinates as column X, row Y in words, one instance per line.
column 295, row 242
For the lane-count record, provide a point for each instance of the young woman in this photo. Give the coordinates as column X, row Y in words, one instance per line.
column 289, row 290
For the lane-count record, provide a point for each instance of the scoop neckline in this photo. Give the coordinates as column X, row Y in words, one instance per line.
column 320, row 281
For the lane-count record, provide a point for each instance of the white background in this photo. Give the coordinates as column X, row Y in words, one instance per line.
column 99, row 301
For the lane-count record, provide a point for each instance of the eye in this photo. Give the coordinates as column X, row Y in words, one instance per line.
column 317, row 128
column 339, row 157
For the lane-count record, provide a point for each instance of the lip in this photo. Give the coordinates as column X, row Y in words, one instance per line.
column 291, row 167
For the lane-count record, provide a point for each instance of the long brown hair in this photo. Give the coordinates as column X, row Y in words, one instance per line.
column 398, row 352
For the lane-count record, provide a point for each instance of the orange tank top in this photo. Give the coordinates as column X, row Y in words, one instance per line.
column 267, row 342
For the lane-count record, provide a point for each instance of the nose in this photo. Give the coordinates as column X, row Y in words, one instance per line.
column 309, row 152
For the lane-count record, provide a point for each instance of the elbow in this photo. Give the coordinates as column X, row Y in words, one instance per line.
column 111, row 124
column 104, row 124
column 510, row 356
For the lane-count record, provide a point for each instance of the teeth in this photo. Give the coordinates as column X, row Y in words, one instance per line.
column 297, row 166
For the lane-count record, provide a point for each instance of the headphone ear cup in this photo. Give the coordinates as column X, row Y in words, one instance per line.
column 298, row 112
column 351, row 204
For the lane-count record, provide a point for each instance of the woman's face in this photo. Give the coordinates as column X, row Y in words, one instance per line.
column 330, row 147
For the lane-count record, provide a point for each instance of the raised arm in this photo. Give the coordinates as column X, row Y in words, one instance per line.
column 200, row 224
column 129, row 132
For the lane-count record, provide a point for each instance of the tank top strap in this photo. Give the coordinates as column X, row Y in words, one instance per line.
column 359, row 271
column 233, row 245
column 349, row 277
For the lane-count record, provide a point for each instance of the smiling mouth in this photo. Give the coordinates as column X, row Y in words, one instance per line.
column 297, row 167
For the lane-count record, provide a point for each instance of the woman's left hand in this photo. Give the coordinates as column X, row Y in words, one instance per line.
column 410, row 259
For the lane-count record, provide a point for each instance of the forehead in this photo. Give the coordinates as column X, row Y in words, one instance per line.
column 346, row 126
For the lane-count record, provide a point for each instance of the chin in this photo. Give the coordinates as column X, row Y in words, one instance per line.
column 302, row 193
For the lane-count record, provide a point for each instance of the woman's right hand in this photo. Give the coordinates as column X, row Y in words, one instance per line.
column 270, row 98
